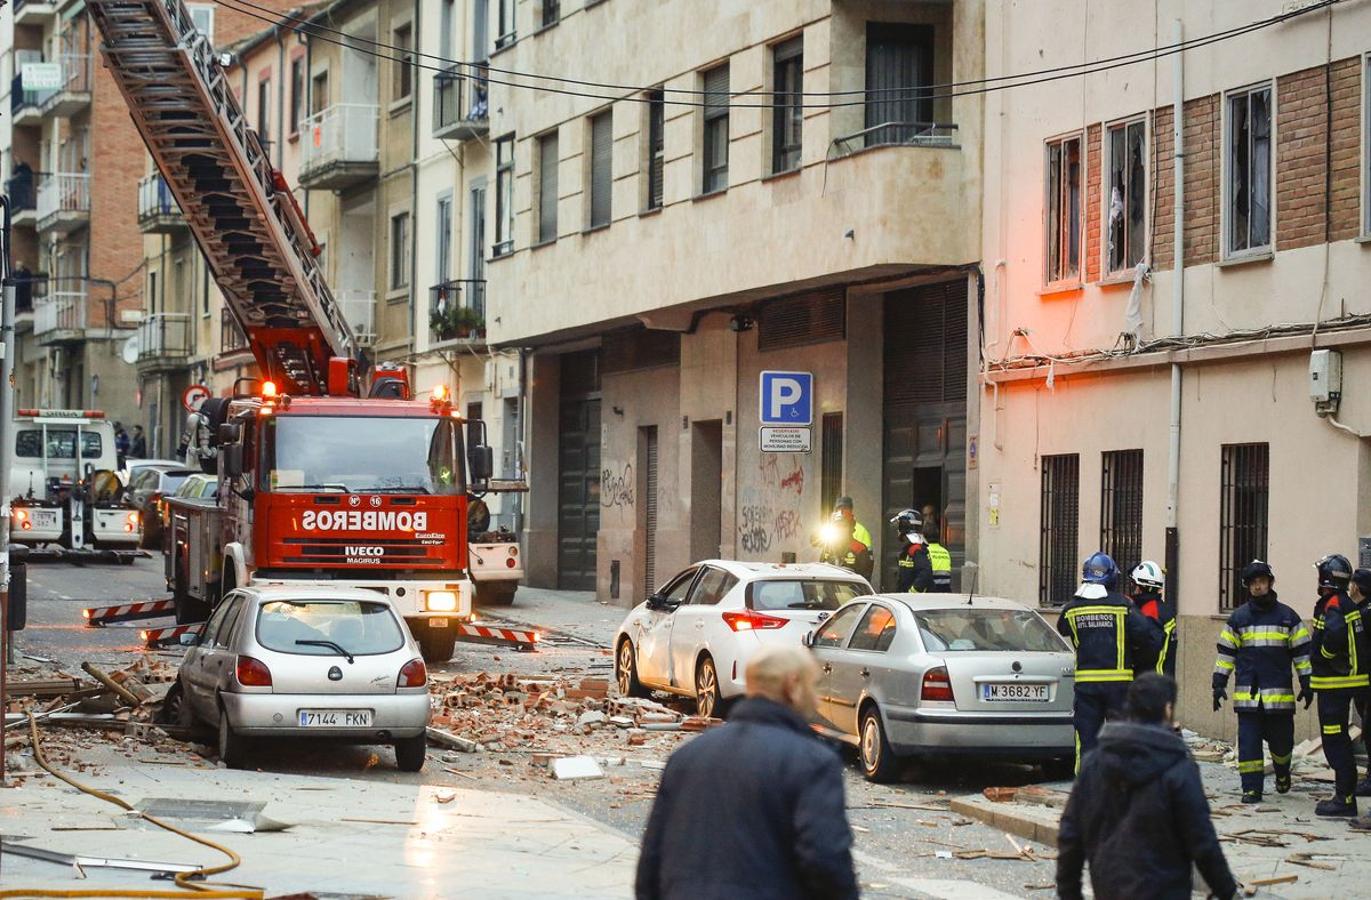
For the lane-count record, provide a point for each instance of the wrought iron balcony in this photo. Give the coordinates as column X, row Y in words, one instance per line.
column 461, row 107
column 157, row 209
column 339, row 147
column 22, row 189
column 231, row 337
column 457, row 312
column 164, row 341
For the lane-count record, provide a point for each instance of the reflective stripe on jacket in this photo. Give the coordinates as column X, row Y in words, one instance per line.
column 1155, row 609
column 859, row 533
column 1261, row 646
column 1339, row 645
column 1108, row 635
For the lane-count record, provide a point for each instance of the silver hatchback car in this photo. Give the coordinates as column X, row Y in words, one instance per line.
column 308, row 662
column 944, row 675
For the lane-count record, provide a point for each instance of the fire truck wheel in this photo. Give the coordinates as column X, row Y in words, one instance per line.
column 435, row 643
column 189, row 611
column 488, row 594
column 410, row 753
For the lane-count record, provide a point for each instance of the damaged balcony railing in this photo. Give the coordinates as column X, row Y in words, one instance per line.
column 895, row 134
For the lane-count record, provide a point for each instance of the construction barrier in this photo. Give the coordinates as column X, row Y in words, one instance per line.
column 156, row 637
column 126, row 612
column 491, row 634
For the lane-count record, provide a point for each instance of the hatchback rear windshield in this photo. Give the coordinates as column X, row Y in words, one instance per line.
column 328, row 627
column 987, row 629
column 782, row 594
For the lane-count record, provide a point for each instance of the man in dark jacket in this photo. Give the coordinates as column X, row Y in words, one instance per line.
column 1137, row 812
column 753, row 810
column 1338, row 655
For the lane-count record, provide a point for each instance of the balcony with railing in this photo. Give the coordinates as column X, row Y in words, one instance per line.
column 158, row 212
column 34, row 12
column 26, row 105
column 231, row 337
column 74, row 94
column 461, row 107
column 22, row 189
column 165, row 341
column 63, row 201
column 62, row 316
column 457, row 312
column 359, row 308
column 895, row 134
column 29, row 288
column 339, row 147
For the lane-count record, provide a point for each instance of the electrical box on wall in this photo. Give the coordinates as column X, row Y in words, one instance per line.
column 1325, row 380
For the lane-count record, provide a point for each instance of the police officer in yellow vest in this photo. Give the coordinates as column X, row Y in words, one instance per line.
column 940, row 559
column 859, row 533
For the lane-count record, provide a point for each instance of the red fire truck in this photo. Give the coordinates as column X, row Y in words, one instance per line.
column 327, row 473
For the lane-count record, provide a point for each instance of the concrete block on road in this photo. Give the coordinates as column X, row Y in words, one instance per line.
column 1036, row 823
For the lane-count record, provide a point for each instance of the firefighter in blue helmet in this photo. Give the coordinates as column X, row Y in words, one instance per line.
column 1338, row 655
column 1262, row 641
column 1108, row 634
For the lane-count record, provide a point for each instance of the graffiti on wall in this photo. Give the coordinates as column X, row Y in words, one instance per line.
column 617, row 487
column 754, row 529
column 770, row 521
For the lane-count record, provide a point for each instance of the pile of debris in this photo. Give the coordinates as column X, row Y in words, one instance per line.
column 547, row 714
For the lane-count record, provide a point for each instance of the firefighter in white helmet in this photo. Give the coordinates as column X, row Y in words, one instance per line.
column 1148, row 583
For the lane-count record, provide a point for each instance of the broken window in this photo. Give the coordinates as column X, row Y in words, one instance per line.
column 1248, row 151
column 1126, row 220
column 1064, row 210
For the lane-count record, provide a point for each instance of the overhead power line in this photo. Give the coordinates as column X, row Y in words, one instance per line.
column 712, row 98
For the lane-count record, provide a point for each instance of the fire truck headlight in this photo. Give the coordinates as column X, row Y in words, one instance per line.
column 440, row 601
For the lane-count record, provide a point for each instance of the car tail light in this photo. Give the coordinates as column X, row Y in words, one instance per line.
column 936, row 686
column 750, row 620
column 413, row 674
column 511, row 563
column 253, row 672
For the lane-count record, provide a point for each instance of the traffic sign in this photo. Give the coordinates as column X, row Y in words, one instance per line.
column 784, row 439
column 193, row 396
column 787, row 398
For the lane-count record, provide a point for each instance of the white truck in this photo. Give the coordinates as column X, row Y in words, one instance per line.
column 496, row 566
column 67, row 492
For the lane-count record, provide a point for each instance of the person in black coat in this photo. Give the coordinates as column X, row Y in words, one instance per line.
column 753, row 810
column 1138, row 812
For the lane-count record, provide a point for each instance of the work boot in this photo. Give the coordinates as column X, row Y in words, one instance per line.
column 1251, row 796
column 1283, row 783
column 1364, row 787
column 1341, row 807
column 1362, row 823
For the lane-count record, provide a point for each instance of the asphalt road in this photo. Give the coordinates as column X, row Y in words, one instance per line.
column 899, row 829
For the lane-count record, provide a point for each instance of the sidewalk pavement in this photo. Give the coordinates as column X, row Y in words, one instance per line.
column 1278, row 837
column 571, row 612
column 346, row 837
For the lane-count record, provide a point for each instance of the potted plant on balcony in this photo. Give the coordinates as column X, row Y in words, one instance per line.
column 470, row 323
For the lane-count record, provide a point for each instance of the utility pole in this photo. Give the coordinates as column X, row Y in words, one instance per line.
column 6, row 459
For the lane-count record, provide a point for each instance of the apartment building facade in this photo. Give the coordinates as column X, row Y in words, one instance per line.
column 1121, row 275
column 766, row 187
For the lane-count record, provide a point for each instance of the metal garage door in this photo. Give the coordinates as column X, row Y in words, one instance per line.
column 925, row 413
column 578, row 509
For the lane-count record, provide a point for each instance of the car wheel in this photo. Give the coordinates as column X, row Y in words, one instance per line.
column 410, row 753
column 626, row 671
column 708, row 702
column 435, row 644
column 878, row 760
column 232, row 745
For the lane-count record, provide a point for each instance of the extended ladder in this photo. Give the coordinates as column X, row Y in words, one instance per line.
column 240, row 210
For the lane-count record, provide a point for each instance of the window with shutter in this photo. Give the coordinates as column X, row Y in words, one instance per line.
column 547, row 187
column 715, row 148
column 809, row 319
column 931, row 367
column 656, row 147
column 601, row 168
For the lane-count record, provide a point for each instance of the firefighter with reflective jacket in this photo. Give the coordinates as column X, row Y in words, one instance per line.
column 1263, row 639
column 1337, row 653
column 1148, row 582
column 1108, row 634
column 843, row 505
column 914, row 566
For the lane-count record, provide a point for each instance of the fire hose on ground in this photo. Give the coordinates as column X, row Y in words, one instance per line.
column 196, row 890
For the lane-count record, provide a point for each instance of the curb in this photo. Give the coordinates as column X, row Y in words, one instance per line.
column 1017, row 819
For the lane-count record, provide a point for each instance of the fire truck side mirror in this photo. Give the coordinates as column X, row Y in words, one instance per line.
column 480, row 462
column 233, row 459
column 230, row 432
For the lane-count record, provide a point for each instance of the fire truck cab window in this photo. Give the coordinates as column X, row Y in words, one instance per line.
column 372, row 454
column 61, row 444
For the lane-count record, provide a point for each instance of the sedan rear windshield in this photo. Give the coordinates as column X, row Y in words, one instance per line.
column 328, row 627
column 987, row 629
column 781, row 594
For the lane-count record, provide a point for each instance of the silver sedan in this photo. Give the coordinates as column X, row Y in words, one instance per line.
column 942, row 675
column 306, row 662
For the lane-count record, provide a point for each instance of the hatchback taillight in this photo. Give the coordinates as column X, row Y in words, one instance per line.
column 749, row 620
column 413, row 674
column 936, row 685
column 253, row 672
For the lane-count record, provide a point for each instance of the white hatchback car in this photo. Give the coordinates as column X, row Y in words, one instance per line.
column 695, row 635
column 310, row 662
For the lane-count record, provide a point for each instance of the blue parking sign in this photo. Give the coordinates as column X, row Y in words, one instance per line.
column 787, row 398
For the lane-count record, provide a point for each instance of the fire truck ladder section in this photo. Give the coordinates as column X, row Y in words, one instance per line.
column 240, row 210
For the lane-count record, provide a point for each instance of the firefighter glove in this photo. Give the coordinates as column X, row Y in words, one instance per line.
column 1305, row 693
column 1220, row 695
